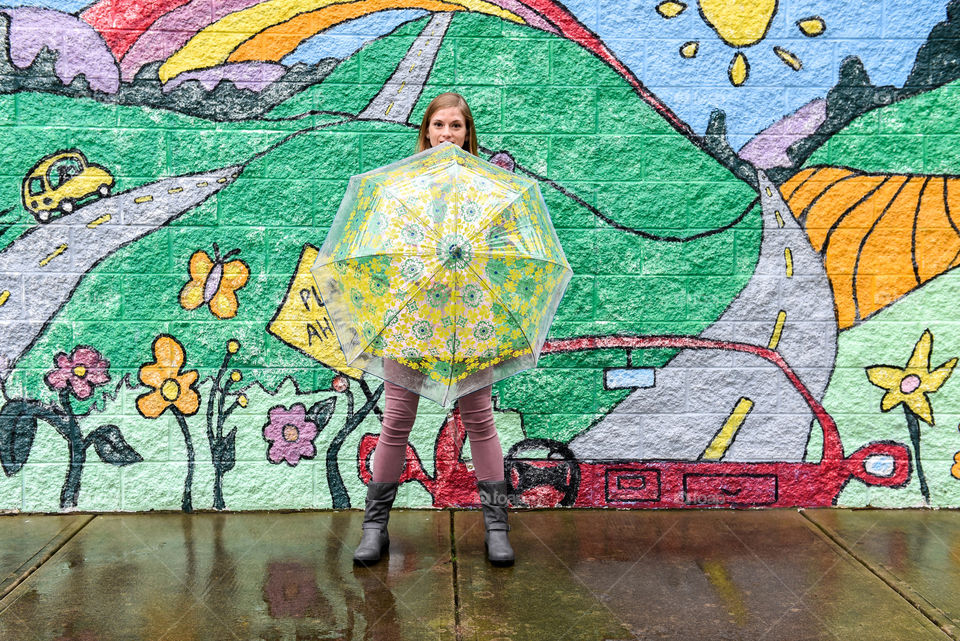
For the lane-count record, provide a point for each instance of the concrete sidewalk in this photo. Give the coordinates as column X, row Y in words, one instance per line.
column 591, row 574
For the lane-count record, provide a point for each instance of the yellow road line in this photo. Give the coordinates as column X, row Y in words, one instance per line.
column 202, row 183
column 419, row 52
column 769, row 193
column 175, row 190
column 56, row 252
column 788, row 258
column 143, row 199
column 724, row 438
column 779, row 218
column 389, row 107
column 402, row 85
column 777, row 330
column 3, row 298
column 412, row 66
column 99, row 221
column 221, row 180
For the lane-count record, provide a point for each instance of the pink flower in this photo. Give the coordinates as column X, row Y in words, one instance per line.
column 83, row 370
column 290, row 435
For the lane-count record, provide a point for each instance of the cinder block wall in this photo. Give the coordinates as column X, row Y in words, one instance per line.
column 759, row 200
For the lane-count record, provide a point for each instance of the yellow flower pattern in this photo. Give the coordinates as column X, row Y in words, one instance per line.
column 444, row 263
column 911, row 384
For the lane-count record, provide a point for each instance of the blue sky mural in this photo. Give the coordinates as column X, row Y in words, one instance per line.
column 885, row 34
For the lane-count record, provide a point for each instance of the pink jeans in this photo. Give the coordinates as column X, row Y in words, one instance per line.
column 400, row 410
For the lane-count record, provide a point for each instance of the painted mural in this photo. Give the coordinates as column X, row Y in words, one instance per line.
column 760, row 202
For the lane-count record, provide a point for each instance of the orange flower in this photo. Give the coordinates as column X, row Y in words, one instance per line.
column 170, row 386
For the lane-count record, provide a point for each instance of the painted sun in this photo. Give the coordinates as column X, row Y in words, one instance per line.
column 741, row 24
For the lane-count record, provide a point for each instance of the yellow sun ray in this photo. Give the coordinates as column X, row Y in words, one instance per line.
column 690, row 49
column 739, row 69
column 812, row 26
column 671, row 9
column 788, row 58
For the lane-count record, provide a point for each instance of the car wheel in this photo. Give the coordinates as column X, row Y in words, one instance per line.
column 66, row 206
column 42, row 216
column 104, row 190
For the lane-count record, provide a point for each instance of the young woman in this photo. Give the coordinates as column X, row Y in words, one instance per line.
column 447, row 119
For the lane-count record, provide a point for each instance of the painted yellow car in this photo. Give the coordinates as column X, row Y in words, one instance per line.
column 60, row 181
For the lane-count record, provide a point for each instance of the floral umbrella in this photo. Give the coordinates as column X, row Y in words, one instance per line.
column 442, row 273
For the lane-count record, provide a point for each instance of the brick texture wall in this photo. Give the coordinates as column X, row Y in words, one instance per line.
column 760, row 202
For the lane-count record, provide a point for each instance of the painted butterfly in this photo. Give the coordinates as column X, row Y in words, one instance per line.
column 214, row 282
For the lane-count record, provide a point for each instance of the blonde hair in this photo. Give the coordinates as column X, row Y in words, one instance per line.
column 444, row 101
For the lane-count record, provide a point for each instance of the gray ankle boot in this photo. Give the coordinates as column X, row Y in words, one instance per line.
column 375, row 540
column 494, row 498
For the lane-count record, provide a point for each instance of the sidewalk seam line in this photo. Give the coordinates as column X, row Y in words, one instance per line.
column 456, row 583
column 42, row 555
column 929, row 611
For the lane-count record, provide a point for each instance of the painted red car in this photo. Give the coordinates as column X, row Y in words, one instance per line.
column 558, row 479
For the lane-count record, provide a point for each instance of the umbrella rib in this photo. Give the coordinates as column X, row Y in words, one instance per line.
column 424, row 223
column 502, row 304
column 482, row 225
column 427, row 254
column 523, row 256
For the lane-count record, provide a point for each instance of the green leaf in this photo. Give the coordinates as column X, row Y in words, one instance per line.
column 111, row 447
column 18, row 427
column 321, row 412
column 225, row 452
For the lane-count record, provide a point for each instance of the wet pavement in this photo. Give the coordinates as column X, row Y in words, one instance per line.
column 580, row 574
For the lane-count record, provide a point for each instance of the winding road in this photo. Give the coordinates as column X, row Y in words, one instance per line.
column 396, row 100
column 40, row 270
column 709, row 405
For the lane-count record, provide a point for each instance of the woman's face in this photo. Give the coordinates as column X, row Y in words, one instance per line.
column 447, row 125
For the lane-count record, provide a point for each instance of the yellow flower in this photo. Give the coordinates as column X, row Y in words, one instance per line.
column 910, row 385
column 170, row 386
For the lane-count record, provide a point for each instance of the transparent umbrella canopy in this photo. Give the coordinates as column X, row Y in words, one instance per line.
column 441, row 273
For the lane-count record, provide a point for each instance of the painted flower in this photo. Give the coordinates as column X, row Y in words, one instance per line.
column 483, row 331
column 472, row 295
column 171, row 387
column 412, row 234
column 497, row 272
column 469, row 211
column 356, row 297
column 82, row 370
column 911, row 384
column 438, row 295
column 411, row 352
column 527, row 288
column 379, row 285
column 422, row 330
column 290, row 435
column 411, row 269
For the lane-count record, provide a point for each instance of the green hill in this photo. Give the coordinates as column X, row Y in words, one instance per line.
column 593, row 139
column 915, row 135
